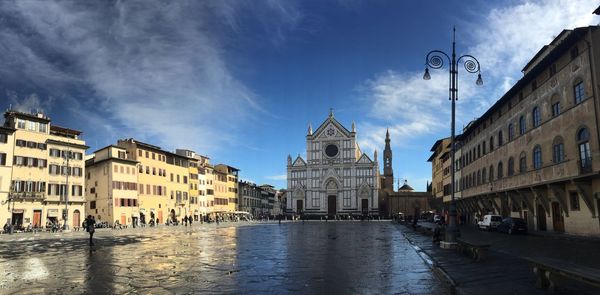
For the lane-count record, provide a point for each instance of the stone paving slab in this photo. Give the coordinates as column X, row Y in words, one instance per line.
column 499, row 273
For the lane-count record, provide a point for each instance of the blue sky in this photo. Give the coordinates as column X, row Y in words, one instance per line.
column 239, row 81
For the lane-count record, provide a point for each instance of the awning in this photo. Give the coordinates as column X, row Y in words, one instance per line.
column 52, row 213
column 18, row 211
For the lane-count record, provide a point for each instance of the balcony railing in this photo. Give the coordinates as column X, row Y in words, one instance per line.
column 585, row 165
column 32, row 196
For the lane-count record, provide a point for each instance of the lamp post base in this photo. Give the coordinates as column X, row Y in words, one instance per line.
column 448, row 245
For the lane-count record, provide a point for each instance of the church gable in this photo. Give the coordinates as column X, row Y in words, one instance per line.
column 299, row 162
column 331, row 128
column 364, row 159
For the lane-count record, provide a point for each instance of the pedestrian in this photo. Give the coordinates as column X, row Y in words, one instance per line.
column 185, row 220
column 90, row 227
column 190, row 220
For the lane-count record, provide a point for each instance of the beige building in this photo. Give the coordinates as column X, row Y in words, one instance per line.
column 7, row 145
column 226, row 188
column 112, row 186
column 535, row 153
column 440, row 170
column 47, row 182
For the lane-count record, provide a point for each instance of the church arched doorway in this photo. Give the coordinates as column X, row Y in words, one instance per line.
column 364, row 206
column 331, row 205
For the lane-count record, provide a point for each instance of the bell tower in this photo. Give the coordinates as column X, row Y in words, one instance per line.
column 388, row 172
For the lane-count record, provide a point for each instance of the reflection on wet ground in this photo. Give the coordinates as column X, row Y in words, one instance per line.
column 310, row 258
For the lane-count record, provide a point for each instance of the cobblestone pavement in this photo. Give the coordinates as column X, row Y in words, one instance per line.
column 504, row 271
column 265, row 258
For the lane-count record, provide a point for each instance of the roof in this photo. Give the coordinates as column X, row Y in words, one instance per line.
column 597, row 11
column 37, row 117
column 64, row 130
column 406, row 187
column 333, row 120
column 92, row 162
column 65, row 143
column 555, row 53
column 110, row 145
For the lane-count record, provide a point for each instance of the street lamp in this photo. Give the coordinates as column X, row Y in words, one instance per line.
column 435, row 60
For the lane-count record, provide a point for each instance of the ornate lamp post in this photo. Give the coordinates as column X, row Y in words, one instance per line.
column 435, row 60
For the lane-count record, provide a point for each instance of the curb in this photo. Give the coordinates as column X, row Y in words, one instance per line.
column 438, row 271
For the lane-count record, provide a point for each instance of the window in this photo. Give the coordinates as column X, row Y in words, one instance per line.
column 579, row 92
column 535, row 117
column 511, row 131
column 2, row 159
column 3, row 138
column 483, row 145
column 491, row 143
column 483, row 174
column 574, row 201
column 511, row 166
column 491, row 174
column 500, row 170
column 141, row 168
column 555, row 109
column 478, row 177
column 537, row 157
column 558, row 150
column 522, row 125
column 500, row 138
column 583, row 140
column 522, row 163
column 92, row 204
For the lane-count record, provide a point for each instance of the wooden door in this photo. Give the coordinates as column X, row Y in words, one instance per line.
column 557, row 219
column 331, row 203
column 541, row 218
column 37, row 218
column 299, row 207
column 365, row 206
column 123, row 219
column 159, row 218
column 76, row 219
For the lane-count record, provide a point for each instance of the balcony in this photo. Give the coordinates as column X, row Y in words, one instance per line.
column 28, row 196
column 585, row 165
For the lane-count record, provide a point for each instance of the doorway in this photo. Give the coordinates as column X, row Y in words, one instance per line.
column 541, row 218
column 123, row 219
column 364, row 206
column 159, row 218
column 299, row 207
column 558, row 223
column 331, row 203
column 17, row 219
column 76, row 219
column 37, row 218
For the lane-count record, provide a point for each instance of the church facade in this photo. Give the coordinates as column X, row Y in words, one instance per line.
column 336, row 178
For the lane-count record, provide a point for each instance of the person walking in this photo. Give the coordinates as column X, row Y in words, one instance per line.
column 90, row 227
column 190, row 220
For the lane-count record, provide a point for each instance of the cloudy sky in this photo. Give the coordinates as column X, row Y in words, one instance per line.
column 239, row 81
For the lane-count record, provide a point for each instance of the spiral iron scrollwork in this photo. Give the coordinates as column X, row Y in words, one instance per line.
column 471, row 64
column 435, row 62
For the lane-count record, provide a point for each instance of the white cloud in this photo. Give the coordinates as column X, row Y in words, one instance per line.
column 158, row 69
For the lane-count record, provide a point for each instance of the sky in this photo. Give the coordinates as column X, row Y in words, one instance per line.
column 239, row 81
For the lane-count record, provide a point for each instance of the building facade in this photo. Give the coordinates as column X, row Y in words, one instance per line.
column 535, row 153
column 336, row 178
column 47, row 177
column 7, row 146
column 112, row 186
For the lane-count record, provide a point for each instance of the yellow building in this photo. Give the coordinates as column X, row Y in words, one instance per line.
column 47, row 183
column 112, row 186
column 210, row 189
column 155, row 200
column 178, row 186
column 204, row 200
column 228, row 187
column 6, row 159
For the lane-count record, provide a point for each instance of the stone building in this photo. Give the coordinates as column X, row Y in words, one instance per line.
column 336, row 178
column 535, row 153
column 405, row 200
column 47, row 172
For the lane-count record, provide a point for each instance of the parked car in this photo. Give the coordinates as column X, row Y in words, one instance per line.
column 512, row 225
column 489, row 222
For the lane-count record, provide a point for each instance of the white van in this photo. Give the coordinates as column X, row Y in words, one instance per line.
column 490, row 222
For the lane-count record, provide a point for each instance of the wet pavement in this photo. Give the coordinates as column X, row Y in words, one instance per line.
column 240, row 258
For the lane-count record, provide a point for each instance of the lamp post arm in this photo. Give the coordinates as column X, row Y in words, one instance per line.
column 471, row 63
column 435, row 60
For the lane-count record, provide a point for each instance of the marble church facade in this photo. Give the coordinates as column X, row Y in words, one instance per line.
column 336, row 178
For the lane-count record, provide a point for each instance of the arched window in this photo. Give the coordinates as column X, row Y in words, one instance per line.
column 500, row 170
column 578, row 91
column 491, row 174
column 583, row 141
column 522, row 163
column 555, row 104
column 491, row 143
column 483, row 178
column 478, row 177
column 558, row 150
column 511, row 131
column 483, row 146
column 511, row 166
column 500, row 138
column 537, row 157
column 535, row 117
column 522, row 125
